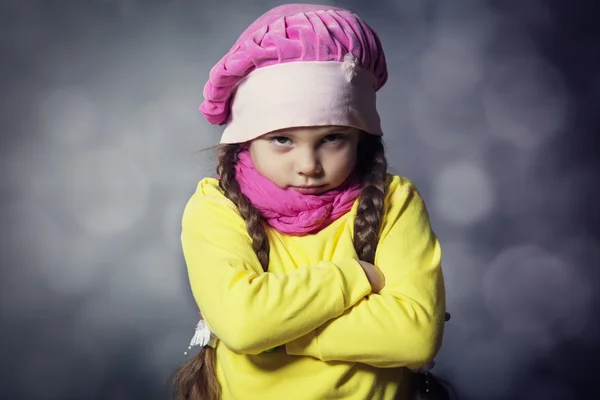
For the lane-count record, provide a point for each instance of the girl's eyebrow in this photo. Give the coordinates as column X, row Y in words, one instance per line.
column 276, row 134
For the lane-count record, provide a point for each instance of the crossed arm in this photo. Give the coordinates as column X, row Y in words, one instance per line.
column 324, row 311
column 403, row 324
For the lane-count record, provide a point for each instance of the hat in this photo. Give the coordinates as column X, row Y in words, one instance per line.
column 297, row 65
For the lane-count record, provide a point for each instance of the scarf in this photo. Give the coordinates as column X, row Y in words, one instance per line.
column 291, row 212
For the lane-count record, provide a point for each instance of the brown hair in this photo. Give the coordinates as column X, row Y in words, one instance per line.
column 196, row 379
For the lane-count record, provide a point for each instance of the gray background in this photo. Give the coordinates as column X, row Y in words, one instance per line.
column 489, row 109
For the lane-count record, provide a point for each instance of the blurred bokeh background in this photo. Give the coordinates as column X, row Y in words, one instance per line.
column 491, row 109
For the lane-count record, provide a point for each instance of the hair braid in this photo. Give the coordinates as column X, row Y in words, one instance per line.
column 197, row 379
column 254, row 221
column 372, row 166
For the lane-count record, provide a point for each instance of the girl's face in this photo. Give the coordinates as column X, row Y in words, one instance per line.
column 310, row 160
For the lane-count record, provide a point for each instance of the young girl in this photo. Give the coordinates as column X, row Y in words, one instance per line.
column 316, row 272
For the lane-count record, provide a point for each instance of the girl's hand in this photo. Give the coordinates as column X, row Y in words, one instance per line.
column 374, row 275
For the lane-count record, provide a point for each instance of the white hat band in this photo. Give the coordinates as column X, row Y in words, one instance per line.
column 298, row 94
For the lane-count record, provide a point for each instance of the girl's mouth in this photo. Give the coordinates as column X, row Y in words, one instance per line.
column 308, row 189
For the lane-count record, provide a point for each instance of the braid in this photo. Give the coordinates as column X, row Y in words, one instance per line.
column 372, row 166
column 229, row 185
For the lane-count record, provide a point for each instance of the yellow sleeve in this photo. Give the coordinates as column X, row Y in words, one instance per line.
column 248, row 310
column 403, row 324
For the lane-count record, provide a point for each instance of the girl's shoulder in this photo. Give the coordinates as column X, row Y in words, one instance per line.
column 400, row 186
column 209, row 197
column 404, row 203
column 209, row 188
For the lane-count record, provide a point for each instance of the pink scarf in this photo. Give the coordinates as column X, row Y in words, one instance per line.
column 288, row 211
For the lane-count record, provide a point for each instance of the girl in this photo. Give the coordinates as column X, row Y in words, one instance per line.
column 316, row 271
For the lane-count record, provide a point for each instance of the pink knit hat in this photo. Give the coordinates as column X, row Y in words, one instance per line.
column 297, row 65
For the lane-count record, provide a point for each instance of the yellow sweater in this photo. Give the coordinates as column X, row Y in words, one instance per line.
column 341, row 341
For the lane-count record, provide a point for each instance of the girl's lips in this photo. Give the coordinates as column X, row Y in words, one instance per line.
column 308, row 189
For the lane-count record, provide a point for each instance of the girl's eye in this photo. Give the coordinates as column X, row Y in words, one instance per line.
column 281, row 141
column 336, row 137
